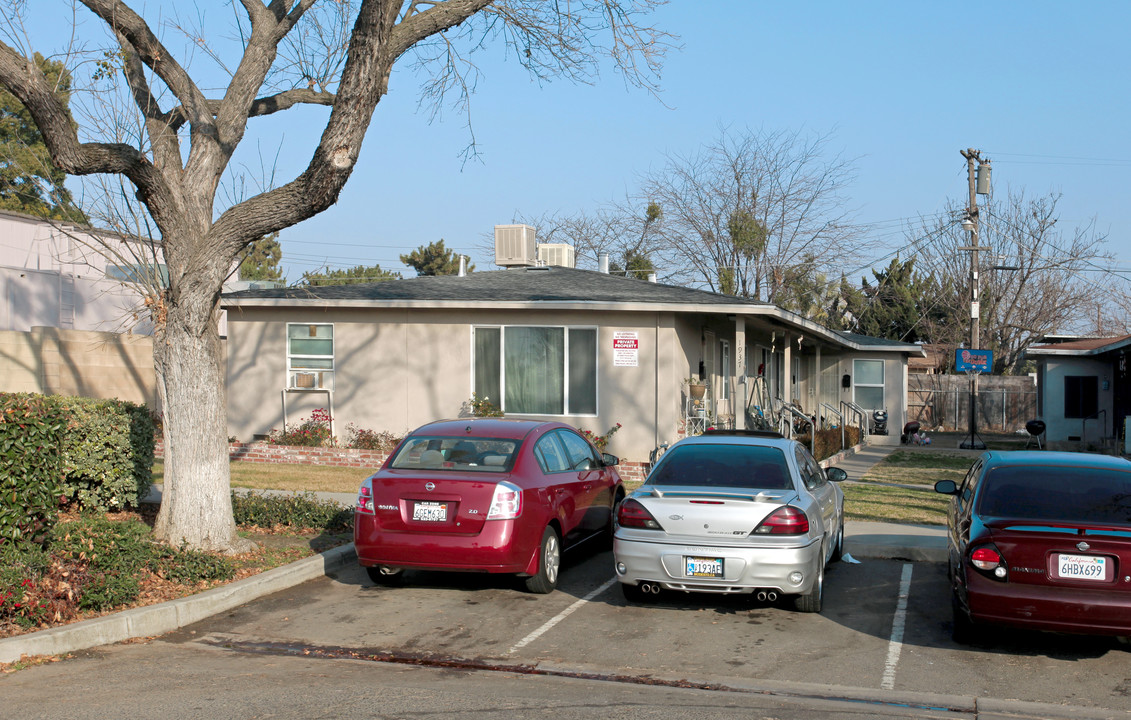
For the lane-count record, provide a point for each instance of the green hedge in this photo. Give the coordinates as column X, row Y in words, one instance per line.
column 107, row 453
column 32, row 429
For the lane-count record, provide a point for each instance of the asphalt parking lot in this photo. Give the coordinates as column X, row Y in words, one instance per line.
column 885, row 627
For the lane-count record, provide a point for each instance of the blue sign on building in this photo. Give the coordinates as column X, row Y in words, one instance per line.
column 973, row 360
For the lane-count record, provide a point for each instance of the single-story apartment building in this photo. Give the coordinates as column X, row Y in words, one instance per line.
column 581, row 346
column 1083, row 389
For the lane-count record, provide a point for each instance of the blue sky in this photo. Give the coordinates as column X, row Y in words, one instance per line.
column 1039, row 87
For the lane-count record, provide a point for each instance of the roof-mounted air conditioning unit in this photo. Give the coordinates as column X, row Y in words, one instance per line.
column 514, row 246
column 559, row 254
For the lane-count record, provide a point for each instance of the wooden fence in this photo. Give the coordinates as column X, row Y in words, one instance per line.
column 1004, row 403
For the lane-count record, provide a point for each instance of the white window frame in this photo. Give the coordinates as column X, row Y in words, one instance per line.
column 321, row 379
column 565, row 370
column 882, row 385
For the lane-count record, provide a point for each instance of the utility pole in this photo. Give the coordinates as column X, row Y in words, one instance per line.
column 979, row 181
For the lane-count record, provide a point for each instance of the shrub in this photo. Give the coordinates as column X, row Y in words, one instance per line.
column 31, row 466
column 93, row 563
column 363, row 439
column 828, row 441
column 300, row 511
column 107, row 453
column 483, row 407
column 600, row 441
column 311, row 432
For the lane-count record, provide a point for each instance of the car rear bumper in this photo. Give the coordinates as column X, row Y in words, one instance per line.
column 1098, row 611
column 500, row 547
column 745, row 570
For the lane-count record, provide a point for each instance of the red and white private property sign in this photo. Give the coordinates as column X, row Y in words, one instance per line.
column 626, row 349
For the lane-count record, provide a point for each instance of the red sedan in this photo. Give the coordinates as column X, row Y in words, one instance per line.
column 1041, row 540
column 487, row 495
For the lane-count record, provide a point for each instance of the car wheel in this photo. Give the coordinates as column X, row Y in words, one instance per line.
column 385, row 575
column 549, row 563
column 810, row 602
column 632, row 593
column 962, row 627
column 838, row 548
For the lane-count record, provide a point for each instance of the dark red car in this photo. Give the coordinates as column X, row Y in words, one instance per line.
column 488, row 495
column 1041, row 540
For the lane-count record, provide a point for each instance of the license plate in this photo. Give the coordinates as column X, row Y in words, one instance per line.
column 1082, row 567
column 430, row 511
column 703, row 567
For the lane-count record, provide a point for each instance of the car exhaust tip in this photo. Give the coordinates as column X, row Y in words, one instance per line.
column 650, row 588
column 761, row 596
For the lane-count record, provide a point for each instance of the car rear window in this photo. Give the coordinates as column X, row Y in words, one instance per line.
column 460, row 453
column 723, row 466
column 1033, row 492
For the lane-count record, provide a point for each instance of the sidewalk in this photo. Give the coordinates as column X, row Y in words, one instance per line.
column 863, row 540
column 921, row 543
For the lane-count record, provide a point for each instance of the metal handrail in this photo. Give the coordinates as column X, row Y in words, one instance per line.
column 859, row 411
column 1084, row 426
column 840, row 417
column 797, row 413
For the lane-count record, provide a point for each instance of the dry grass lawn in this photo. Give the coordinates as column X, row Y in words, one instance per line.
column 298, row 478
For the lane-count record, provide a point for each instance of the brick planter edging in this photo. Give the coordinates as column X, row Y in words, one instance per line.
column 263, row 452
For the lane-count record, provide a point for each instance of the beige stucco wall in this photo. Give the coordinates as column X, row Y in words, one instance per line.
column 76, row 362
column 398, row 369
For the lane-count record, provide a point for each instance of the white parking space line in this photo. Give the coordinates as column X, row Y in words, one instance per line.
column 559, row 617
column 898, row 623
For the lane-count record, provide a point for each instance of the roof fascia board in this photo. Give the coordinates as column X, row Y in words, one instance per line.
column 1104, row 349
column 764, row 311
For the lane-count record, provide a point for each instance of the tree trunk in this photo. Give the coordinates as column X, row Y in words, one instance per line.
column 196, row 506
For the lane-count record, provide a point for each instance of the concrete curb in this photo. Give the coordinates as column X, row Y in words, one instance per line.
column 168, row 616
column 906, row 700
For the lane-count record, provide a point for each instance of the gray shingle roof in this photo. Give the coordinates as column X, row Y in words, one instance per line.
column 552, row 284
column 544, row 284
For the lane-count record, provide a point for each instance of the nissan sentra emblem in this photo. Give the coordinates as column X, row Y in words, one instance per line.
column 1082, row 546
column 430, row 486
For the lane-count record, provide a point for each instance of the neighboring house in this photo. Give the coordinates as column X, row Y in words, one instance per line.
column 56, row 275
column 934, row 361
column 581, row 346
column 71, row 321
column 52, row 276
column 1083, row 389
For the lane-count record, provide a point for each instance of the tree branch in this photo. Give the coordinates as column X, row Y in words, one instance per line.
column 122, row 20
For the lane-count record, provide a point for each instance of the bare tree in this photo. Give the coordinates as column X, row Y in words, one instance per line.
column 751, row 210
column 175, row 167
column 627, row 231
column 1035, row 278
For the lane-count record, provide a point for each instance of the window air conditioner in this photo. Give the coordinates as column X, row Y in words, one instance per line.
column 306, row 380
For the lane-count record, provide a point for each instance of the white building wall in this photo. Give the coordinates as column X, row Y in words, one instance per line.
column 1059, row 428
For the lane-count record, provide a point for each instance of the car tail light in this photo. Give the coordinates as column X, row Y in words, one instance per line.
column 632, row 514
column 786, row 520
column 506, row 503
column 988, row 558
column 365, row 497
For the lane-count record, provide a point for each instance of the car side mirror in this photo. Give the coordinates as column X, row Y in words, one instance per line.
column 609, row 460
column 946, row 487
column 836, row 474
